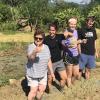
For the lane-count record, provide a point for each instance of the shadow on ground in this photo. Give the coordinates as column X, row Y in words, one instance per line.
column 25, row 86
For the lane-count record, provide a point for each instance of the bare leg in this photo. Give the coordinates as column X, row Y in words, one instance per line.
column 80, row 73
column 49, row 83
column 32, row 93
column 69, row 74
column 75, row 73
column 40, row 91
column 63, row 77
column 87, row 73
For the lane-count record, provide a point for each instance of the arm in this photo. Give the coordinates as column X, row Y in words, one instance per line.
column 79, row 48
column 51, row 69
column 32, row 55
column 81, row 41
column 96, row 49
column 96, row 44
column 66, row 34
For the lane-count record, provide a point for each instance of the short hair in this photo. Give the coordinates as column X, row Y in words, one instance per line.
column 53, row 25
column 72, row 19
column 92, row 18
column 39, row 32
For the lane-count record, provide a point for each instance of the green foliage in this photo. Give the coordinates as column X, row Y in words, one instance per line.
column 63, row 15
column 42, row 12
column 98, row 59
column 5, row 46
column 3, row 80
column 36, row 10
column 8, row 26
column 13, row 3
column 5, row 13
column 95, row 11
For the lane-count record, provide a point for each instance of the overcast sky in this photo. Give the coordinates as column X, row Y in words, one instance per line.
column 79, row 1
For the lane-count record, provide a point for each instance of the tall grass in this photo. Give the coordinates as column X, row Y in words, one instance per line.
column 8, row 26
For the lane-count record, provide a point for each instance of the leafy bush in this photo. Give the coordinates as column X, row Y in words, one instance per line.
column 5, row 13
column 63, row 15
column 6, row 26
column 42, row 12
column 96, row 12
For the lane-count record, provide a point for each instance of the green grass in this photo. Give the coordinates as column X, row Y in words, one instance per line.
column 5, row 46
column 11, row 32
column 98, row 59
column 12, row 65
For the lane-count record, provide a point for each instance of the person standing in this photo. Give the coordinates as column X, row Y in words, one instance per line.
column 88, row 49
column 71, row 52
column 53, row 40
column 39, row 61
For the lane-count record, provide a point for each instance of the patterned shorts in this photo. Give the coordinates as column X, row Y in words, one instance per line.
column 70, row 60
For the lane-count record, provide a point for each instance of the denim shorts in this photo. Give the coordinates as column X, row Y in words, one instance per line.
column 86, row 61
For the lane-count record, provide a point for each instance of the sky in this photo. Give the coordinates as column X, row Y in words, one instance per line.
column 79, row 1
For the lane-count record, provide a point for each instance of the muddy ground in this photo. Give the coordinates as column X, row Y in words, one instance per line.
column 12, row 66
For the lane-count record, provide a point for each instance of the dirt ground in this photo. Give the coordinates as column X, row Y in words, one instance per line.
column 81, row 90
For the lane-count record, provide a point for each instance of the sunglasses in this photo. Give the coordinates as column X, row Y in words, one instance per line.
column 38, row 38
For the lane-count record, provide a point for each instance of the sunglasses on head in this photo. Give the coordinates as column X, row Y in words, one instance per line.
column 38, row 38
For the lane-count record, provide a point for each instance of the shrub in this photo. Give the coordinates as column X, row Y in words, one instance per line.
column 6, row 26
column 5, row 13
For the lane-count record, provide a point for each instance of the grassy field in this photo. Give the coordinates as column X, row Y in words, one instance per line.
column 12, row 66
column 21, row 37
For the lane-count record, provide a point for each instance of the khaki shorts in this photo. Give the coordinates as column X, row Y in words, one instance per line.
column 35, row 82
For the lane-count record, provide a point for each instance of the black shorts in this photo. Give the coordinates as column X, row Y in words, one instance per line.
column 71, row 59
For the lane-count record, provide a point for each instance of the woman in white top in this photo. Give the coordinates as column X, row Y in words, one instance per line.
column 39, row 61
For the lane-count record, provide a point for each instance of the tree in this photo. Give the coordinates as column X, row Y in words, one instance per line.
column 36, row 10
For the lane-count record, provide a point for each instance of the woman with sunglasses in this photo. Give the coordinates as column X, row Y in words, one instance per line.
column 39, row 61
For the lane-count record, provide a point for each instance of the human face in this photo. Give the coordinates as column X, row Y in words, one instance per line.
column 90, row 23
column 72, row 25
column 52, row 31
column 38, row 39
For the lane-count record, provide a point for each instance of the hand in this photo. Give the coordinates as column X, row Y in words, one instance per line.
column 73, row 46
column 84, row 41
column 96, row 55
column 63, row 42
column 79, row 41
column 53, row 76
column 37, row 49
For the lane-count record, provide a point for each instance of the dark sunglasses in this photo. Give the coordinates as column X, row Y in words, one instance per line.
column 37, row 38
